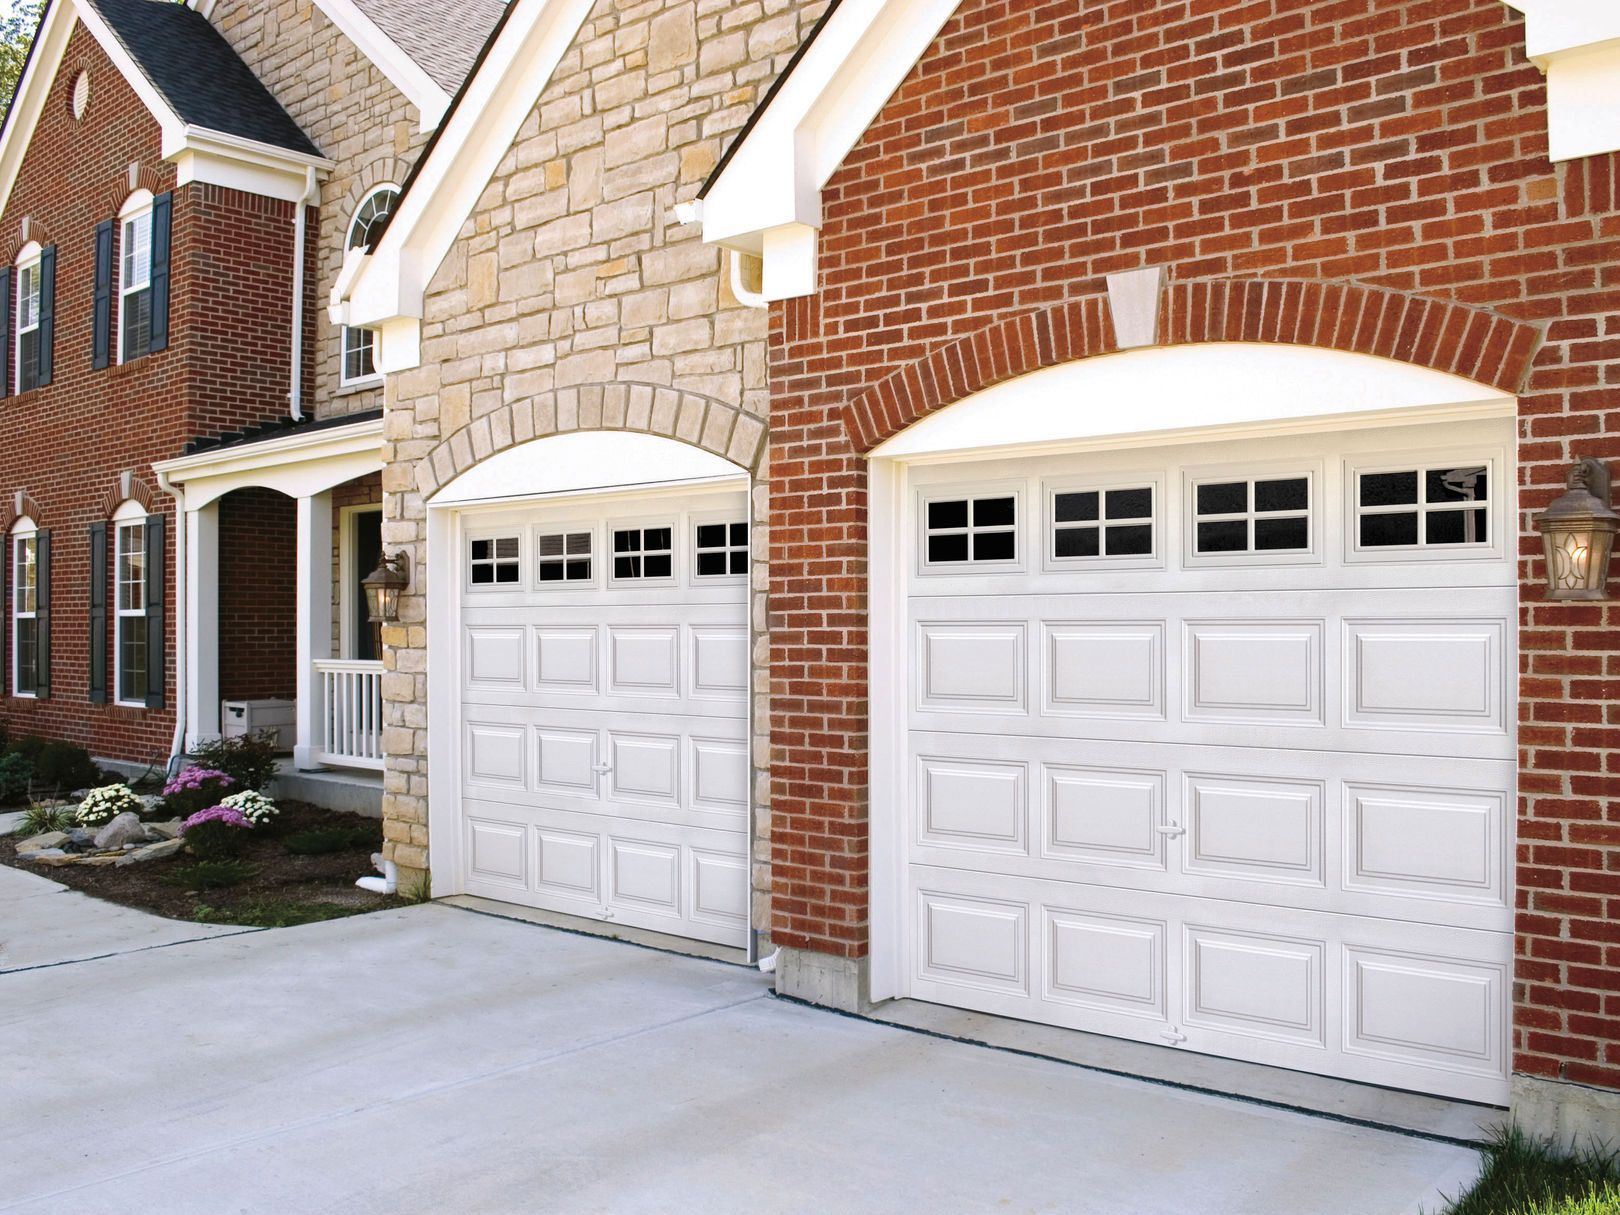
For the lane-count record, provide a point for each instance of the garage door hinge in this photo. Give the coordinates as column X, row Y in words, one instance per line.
column 1173, row 1036
column 1171, row 829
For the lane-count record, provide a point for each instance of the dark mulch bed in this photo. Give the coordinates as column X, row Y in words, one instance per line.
column 286, row 889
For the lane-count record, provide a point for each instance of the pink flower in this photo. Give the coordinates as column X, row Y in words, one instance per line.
column 192, row 779
column 216, row 814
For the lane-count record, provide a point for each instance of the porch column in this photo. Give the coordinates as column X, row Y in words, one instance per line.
column 314, row 619
column 202, row 624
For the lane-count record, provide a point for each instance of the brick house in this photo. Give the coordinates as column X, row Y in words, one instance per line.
column 1235, row 720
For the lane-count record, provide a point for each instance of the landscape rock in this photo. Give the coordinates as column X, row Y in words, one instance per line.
column 41, row 856
column 125, row 829
column 163, row 831
column 84, row 837
column 152, row 852
column 51, row 839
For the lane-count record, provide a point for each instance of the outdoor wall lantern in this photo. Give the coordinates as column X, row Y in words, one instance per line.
column 383, row 586
column 1578, row 533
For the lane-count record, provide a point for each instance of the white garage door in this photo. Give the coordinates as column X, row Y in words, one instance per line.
column 1212, row 745
column 604, row 677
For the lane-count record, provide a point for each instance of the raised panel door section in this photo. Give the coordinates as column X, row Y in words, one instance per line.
column 974, row 805
column 719, row 886
column 719, row 774
column 569, row 864
column 566, row 761
column 495, row 851
column 974, row 667
column 1108, row 962
column 719, row 662
column 1255, row 985
column 565, row 659
column 1259, row 830
column 979, row 942
column 1104, row 816
column 643, row 661
column 645, row 873
column 1442, row 1012
column 1263, row 671
column 646, row 767
column 1425, row 842
column 1105, row 669
column 494, row 755
column 1434, row 675
column 494, row 659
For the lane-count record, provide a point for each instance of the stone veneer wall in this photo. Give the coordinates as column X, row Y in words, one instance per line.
column 358, row 119
column 572, row 297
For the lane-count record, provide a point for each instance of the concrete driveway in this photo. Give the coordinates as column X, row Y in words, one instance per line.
column 437, row 1060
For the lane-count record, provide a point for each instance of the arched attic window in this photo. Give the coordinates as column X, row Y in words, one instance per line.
column 360, row 345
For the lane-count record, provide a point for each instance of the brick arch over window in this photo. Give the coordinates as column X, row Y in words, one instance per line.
column 1474, row 343
column 716, row 427
column 128, row 488
column 9, row 512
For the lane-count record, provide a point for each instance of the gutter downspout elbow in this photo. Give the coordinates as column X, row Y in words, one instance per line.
column 177, row 748
column 745, row 297
column 295, row 393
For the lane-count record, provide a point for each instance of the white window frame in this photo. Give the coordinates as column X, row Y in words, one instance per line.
column 1312, row 473
column 30, row 259
column 494, row 535
column 136, row 207
column 594, row 555
column 1153, row 482
column 671, row 523
column 25, row 531
column 352, row 337
column 727, row 519
column 129, row 516
column 1423, row 462
column 1016, row 490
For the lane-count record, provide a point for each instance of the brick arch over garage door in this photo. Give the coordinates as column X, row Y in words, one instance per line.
column 1474, row 343
column 715, row 426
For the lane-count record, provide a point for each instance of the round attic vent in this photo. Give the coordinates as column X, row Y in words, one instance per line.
column 81, row 94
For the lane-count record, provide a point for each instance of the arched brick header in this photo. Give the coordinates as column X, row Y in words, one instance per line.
column 9, row 514
column 127, row 488
column 1471, row 342
column 718, row 428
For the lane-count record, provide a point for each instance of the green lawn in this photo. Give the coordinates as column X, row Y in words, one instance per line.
column 1523, row 1177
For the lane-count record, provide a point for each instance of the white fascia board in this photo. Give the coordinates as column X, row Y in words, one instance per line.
column 420, row 89
column 228, row 160
column 767, row 200
column 1576, row 43
column 391, row 283
column 298, row 464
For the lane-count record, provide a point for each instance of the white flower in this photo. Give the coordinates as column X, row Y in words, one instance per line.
column 107, row 803
column 254, row 806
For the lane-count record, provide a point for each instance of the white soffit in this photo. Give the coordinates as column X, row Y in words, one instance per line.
column 1171, row 391
column 766, row 201
column 405, row 73
column 1576, row 43
column 585, row 461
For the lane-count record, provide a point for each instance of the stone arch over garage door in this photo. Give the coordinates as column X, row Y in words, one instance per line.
column 1474, row 343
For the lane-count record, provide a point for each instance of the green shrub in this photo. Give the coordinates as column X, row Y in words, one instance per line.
column 332, row 839
column 66, row 766
column 215, row 841
column 212, row 874
column 28, row 746
column 249, row 760
column 38, row 819
column 15, row 774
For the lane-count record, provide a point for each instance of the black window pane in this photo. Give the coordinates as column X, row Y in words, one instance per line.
column 1225, row 498
column 947, row 548
column 1076, row 542
column 993, row 546
column 1389, row 489
column 739, row 563
column 993, row 512
column 551, row 571
column 739, row 533
column 1382, row 531
column 1274, row 535
column 1455, row 484
column 1133, row 540
column 657, row 566
column 655, row 538
column 627, row 541
column 506, row 573
column 1455, row 527
column 1076, row 508
column 480, row 550
column 579, row 571
column 627, row 567
column 1130, row 503
column 482, row 574
column 711, row 535
column 947, row 514
column 1292, row 494
column 710, row 564
column 1231, row 536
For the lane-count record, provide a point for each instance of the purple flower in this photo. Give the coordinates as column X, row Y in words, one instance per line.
column 216, row 814
column 192, row 779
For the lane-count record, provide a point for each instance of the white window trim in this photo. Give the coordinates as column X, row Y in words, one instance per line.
column 376, row 377
column 1153, row 481
column 493, row 535
column 29, row 259
column 137, row 204
column 728, row 519
column 1016, row 490
column 130, row 514
column 1494, row 460
column 24, row 529
column 643, row 525
column 564, row 528
column 1193, row 477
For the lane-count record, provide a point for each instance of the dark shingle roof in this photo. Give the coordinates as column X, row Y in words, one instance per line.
column 275, row 428
column 443, row 39
column 198, row 74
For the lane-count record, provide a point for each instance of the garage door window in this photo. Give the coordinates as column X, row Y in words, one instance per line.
column 1436, row 506
column 563, row 557
column 1102, row 523
column 641, row 553
column 1254, row 515
column 722, row 549
column 971, row 530
column 494, row 561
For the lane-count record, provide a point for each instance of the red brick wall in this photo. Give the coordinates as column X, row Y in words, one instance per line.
column 258, row 595
column 1039, row 147
column 66, row 444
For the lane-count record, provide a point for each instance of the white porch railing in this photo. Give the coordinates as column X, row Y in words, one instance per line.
column 350, row 714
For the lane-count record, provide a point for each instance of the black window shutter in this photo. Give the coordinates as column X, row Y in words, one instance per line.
column 156, row 647
column 162, row 217
column 5, row 332
column 101, row 313
column 42, row 558
column 47, row 312
column 98, row 613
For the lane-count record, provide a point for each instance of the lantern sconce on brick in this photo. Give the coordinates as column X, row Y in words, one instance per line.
column 1578, row 532
column 383, row 587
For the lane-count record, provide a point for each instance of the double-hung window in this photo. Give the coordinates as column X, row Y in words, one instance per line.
column 131, row 573
column 25, row 610
column 360, row 345
column 28, row 327
column 135, row 284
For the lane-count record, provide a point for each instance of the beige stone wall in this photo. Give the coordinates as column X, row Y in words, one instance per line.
column 356, row 117
column 575, row 299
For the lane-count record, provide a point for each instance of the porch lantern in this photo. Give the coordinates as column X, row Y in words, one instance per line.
column 383, row 586
column 1578, row 532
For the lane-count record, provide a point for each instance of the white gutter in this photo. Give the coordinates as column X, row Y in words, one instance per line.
column 295, row 396
column 177, row 748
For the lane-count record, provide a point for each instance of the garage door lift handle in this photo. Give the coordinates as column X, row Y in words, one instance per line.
column 1173, row 830
column 602, row 769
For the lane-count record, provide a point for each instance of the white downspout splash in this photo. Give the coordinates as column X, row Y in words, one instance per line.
column 295, row 393
column 388, row 883
column 177, row 748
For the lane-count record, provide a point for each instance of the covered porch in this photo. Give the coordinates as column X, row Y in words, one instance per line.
column 279, row 530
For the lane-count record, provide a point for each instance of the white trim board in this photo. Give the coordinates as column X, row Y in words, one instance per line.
column 297, row 465
column 420, row 89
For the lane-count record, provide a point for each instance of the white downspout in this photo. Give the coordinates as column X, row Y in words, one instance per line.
column 295, row 394
column 745, row 297
column 177, row 748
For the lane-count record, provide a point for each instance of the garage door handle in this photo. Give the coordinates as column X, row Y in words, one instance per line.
column 1171, row 829
column 1173, row 1036
column 602, row 769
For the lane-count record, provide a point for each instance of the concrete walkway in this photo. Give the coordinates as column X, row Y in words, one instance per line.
column 436, row 1060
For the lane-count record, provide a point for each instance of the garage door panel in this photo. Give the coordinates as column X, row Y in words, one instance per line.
column 1438, row 1011
column 1430, row 843
column 493, row 755
column 982, row 805
column 1107, row 669
column 1433, row 675
column 495, row 659
column 1253, row 671
column 1254, row 829
column 972, row 666
column 1112, row 963
column 566, row 661
column 1254, row 984
column 1103, row 816
column 495, row 851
